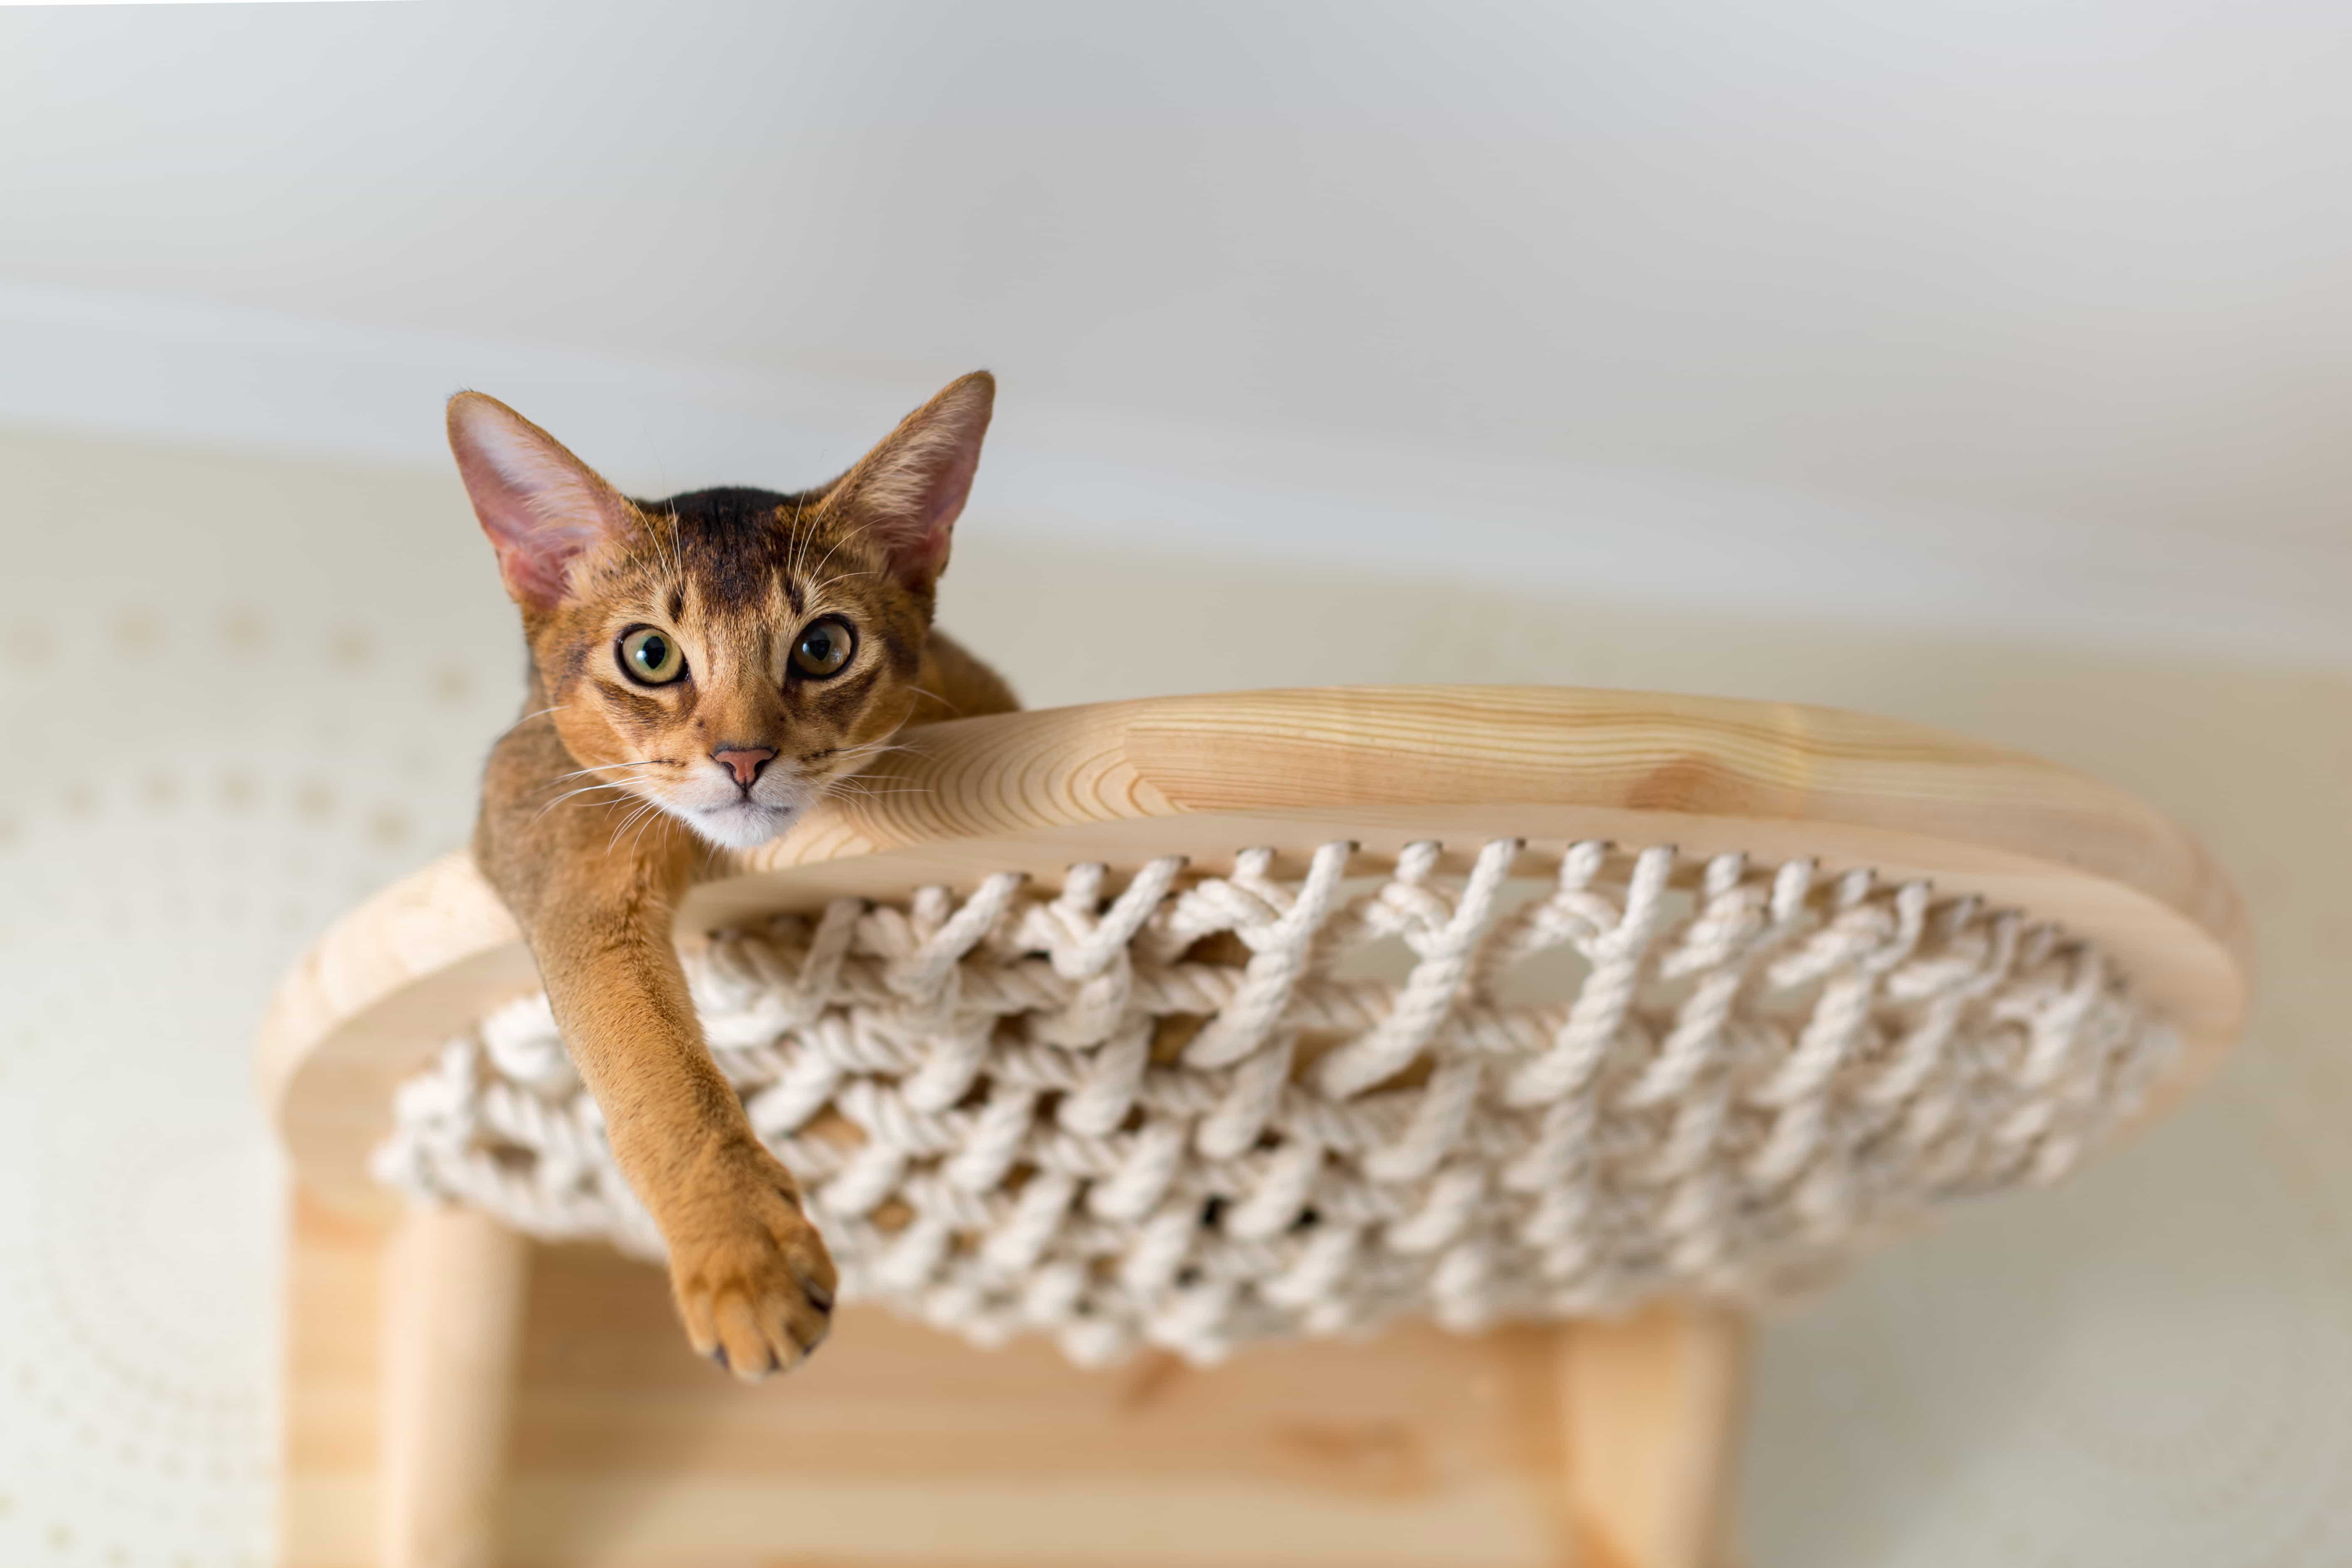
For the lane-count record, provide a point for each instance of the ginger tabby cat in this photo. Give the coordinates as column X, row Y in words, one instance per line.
column 703, row 670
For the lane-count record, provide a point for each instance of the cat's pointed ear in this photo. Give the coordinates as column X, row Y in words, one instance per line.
column 909, row 491
column 540, row 505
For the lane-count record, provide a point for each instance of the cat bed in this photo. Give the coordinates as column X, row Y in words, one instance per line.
column 1189, row 1022
column 1178, row 1114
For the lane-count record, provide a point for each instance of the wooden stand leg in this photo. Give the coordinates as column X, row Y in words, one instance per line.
column 1652, row 1408
column 451, row 1327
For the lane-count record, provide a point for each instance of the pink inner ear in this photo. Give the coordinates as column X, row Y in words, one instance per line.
column 539, row 571
column 925, row 549
column 916, row 483
column 539, row 504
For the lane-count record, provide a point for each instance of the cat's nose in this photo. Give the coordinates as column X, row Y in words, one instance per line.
column 744, row 762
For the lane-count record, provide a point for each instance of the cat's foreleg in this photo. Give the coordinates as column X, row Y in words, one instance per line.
column 752, row 1280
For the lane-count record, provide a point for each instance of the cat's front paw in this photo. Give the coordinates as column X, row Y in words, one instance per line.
column 753, row 1281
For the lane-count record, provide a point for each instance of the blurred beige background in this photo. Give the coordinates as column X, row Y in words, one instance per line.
column 1985, row 365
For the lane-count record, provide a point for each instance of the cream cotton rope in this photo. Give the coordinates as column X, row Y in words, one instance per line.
column 1194, row 1114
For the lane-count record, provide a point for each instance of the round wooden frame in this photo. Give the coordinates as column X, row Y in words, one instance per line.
column 1206, row 776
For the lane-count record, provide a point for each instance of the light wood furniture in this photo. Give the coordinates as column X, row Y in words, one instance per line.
column 412, row 1442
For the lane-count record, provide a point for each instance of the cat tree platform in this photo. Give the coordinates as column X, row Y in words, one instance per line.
column 1353, row 1126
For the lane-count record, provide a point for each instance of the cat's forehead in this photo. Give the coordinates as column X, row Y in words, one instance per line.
column 725, row 551
column 735, row 553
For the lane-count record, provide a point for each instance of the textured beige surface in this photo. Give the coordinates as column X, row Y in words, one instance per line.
column 900, row 1446
column 243, row 693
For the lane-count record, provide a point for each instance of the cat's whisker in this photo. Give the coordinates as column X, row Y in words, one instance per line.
column 829, row 552
column 612, row 767
column 600, row 784
column 801, row 539
column 650, row 537
column 550, row 805
column 638, row 841
column 637, row 815
column 528, row 717
column 583, row 789
column 837, row 578
column 863, row 789
column 573, row 794
column 808, row 542
column 800, row 568
column 846, row 775
column 857, row 772
column 672, row 554
column 805, row 540
column 614, row 843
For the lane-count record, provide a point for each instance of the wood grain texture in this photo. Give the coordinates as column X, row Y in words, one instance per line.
column 900, row 1446
column 1651, row 1419
column 1207, row 776
column 447, row 1341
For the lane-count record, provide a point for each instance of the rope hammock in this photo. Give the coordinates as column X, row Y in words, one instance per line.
column 1195, row 1110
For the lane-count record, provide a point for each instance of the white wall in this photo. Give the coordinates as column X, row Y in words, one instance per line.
column 1949, row 313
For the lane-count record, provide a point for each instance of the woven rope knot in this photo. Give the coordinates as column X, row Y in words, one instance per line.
column 1191, row 1110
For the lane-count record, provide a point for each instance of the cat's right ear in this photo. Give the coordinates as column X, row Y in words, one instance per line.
column 540, row 505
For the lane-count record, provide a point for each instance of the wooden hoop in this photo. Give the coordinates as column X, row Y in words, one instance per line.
column 1385, row 766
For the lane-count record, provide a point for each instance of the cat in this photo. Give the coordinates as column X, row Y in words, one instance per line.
column 703, row 669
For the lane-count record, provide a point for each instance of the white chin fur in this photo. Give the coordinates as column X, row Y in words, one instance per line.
column 743, row 826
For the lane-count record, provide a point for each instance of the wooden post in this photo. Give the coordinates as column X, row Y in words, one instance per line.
column 1651, row 1409
column 451, row 1329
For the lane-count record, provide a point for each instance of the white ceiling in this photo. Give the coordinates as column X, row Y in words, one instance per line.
column 2053, row 300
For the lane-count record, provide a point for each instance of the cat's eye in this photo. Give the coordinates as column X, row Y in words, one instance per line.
column 651, row 656
column 824, row 647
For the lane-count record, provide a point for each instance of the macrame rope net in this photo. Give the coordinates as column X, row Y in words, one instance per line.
column 1196, row 1112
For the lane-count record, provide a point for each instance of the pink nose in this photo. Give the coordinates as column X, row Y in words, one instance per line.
column 744, row 762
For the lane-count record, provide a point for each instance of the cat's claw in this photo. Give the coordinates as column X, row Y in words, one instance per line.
column 755, row 1284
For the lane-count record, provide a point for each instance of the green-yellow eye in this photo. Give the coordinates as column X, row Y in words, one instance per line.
column 823, row 649
column 651, row 658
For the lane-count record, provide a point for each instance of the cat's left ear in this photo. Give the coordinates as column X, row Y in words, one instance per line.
column 540, row 506
column 909, row 491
